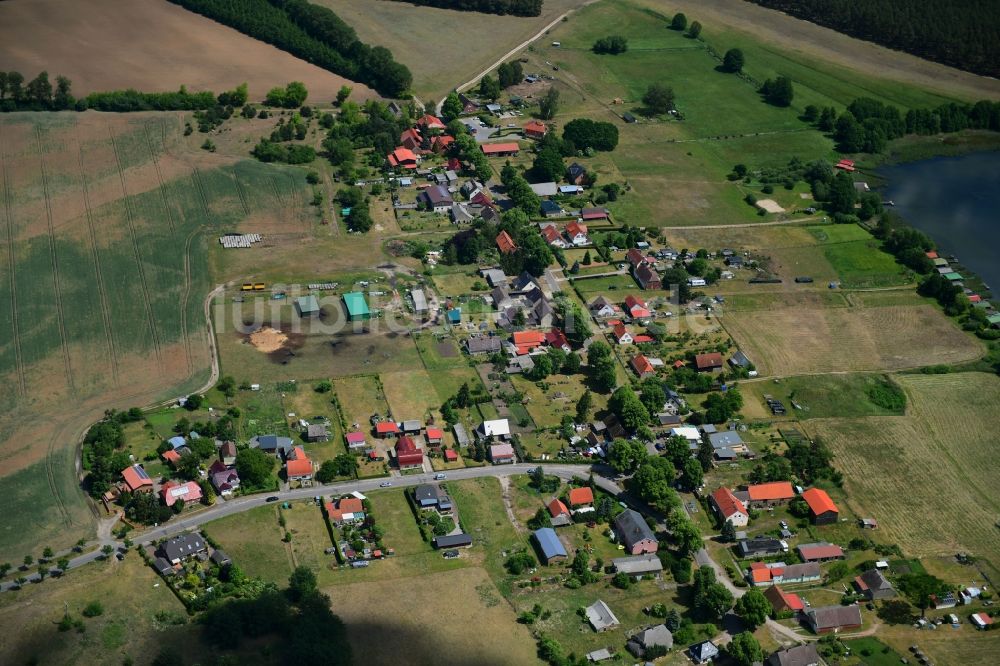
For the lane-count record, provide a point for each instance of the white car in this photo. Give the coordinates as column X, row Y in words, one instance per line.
column 385, row 484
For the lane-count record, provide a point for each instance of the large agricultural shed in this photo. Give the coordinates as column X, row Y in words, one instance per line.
column 357, row 306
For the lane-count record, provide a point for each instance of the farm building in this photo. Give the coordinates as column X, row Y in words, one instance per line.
column 273, row 444
column 658, row 636
column 981, row 620
column 357, row 306
column 588, row 214
column 729, row 508
column 761, row 546
column 419, row 301
column 317, row 432
column 873, row 585
column 633, row 533
column 799, row 655
column 549, row 546
column 452, row 541
column 600, row 616
column 762, row 575
column 833, row 618
column 510, row 149
column 821, row 507
column 820, row 552
column 647, row 277
column 638, row 566
column 307, row 306
column 708, row 362
column 436, row 198
column 770, row 494
column 535, row 129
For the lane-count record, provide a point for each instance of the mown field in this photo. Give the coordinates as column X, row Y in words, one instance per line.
column 928, row 477
column 107, row 222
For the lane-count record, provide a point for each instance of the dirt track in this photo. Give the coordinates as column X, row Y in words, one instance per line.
column 793, row 34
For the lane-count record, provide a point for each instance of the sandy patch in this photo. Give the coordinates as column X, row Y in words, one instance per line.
column 769, row 205
column 267, row 339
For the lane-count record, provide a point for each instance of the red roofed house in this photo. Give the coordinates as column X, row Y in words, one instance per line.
column 355, row 440
column 729, row 507
column 450, row 455
column 557, row 508
column 770, row 494
column 552, row 236
column 593, row 213
column 622, row 336
column 822, row 508
column 346, row 510
column 642, row 366
column 439, row 144
column 820, row 552
column 577, row 233
column 639, row 339
column 505, row 243
column 403, row 158
column 556, row 338
column 386, row 429
column 679, row 363
column 708, row 361
column 783, row 602
column 975, row 298
column 932, row 254
column 298, row 467
column 981, row 620
column 636, row 307
column 170, row 456
column 435, row 437
column 500, row 149
column 583, row 496
column 526, row 341
column 173, row 491
column 535, row 129
column 760, row 574
column 635, row 257
column 137, row 480
column 411, row 139
column 408, row 455
column 647, row 277
column 431, row 122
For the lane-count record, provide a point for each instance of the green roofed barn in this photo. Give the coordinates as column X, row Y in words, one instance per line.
column 308, row 306
column 357, row 306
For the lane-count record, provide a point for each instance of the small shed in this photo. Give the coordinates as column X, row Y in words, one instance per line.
column 307, row 306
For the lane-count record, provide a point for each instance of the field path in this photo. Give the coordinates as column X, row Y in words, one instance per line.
column 15, row 336
column 130, row 221
column 60, row 316
column 186, row 297
column 101, row 289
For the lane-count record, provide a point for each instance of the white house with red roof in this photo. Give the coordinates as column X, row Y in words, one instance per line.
column 643, row 367
column 637, row 307
column 173, row 491
column 729, row 507
column 429, row 122
column 576, row 232
column 621, row 334
column 355, row 440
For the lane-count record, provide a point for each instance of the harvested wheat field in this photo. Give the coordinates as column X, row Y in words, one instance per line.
column 106, row 222
column 929, row 477
column 149, row 45
column 382, row 626
column 804, row 340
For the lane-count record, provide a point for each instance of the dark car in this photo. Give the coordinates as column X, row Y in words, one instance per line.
column 272, row 498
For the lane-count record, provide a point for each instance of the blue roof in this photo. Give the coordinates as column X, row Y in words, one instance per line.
column 549, row 543
column 176, row 441
column 455, row 315
column 550, row 207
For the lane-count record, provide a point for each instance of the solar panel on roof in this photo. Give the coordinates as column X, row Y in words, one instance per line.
column 141, row 472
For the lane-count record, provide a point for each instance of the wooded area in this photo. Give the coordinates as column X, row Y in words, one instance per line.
column 501, row 7
column 962, row 33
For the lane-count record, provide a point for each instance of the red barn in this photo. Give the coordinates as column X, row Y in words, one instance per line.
column 535, row 129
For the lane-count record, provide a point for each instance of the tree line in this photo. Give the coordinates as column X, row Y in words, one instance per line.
column 964, row 33
column 501, row 7
column 40, row 95
column 310, row 32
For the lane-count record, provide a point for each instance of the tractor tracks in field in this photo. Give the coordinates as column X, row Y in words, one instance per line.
column 159, row 178
column 130, row 222
column 57, row 290
column 8, row 215
column 102, row 291
column 241, row 192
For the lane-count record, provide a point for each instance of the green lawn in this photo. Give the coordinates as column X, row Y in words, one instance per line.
column 253, row 539
column 822, row 396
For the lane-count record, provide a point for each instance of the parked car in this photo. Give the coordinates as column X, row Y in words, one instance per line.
column 438, row 477
column 385, row 484
column 272, row 498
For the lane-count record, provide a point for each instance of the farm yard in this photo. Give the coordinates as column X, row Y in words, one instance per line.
column 166, row 47
column 926, row 476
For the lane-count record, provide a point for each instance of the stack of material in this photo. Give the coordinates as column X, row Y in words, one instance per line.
column 238, row 241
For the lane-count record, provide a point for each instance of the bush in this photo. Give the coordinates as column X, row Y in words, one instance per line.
column 518, row 563
column 93, row 609
column 887, row 395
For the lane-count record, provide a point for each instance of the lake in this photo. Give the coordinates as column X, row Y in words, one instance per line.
column 956, row 201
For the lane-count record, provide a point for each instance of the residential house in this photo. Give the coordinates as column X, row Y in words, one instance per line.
column 461, row 540
column 799, row 655
column 820, row 552
column 636, row 307
column 430, row 496
column 171, row 492
column 520, row 365
column 729, row 508
column 703, row 652
column 171, row 456
column 821, row 507
column 505, row 243
column 636, row 258
column 762, row 574
column 386, row 429
column 833, row 618
column 224, row 479
column 580, row 497
column 408, row 456
column 411, row 139
column 638, row 566
column 642, row 366
column 298, row 467
column 760, row 547
column 227, row 453
column 502, row 454
column 740, row 360
column 273, row 444
column 440, row 145
column 182, row 547
column 770, row 494
column 549, row 546
column 550, row 232
column 726, row 445
column 708, row 362
column 873, row 585
column 434, row 437
column 556, row 339
column 576, row 174
column 509, row 149
column 621, row 334
column 535, row 129
column 658, row 636
column 429, row 122
column 602, row 308
column 783, row 602
column 355, row 440
column 345, row 510
column 647, row 277
column 558, row 513
column 551, row 209
column 317, row 432
column 402, row 158
column 600, row 616
column 498, row 428
column 576, row 232
column 436, row 198
column 633, row 532
column 136, row 479
column 494, row 277
column 527, row 341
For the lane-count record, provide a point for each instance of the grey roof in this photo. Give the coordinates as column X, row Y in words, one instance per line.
column 545, row 189
column 501, row 297
column 412, row 425
column 708, row 429
column 220, row 557
column 494, row 276
column 452, row 540
column 725, row 440
column 599, row 655
column 832, row 617
column 437, row 195
column 740, row 359
column 599, row 303
column 575, row 169
column 462, row 212
column 703, row 651
column 658, row 635
column 426, row 494
column 600, row 616
column 461, row 436
column 805, row 570
column 800, row 655
column 549, row 543
column 419, row 300
column 316, row 430
column 272, row 443
column 725, row 453
column 551, row 207
column 638, row 564
column 483, row 344
column 875, row 581
column 758, row 545
column 668, row 419
column 632, row 528
column 163, row 566
column 307, row 304
column 525, row 282
column 182, row 546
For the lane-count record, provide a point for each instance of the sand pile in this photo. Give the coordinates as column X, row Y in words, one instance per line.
column 267, row 339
